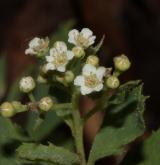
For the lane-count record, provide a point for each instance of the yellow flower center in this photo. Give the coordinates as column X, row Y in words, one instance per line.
column 82, row 41
column 91, row 81
column 60, row 59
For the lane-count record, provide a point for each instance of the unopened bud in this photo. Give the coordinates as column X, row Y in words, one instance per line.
column 18, row 106
column 69, row 76
column 78, row 51
column 7, row 110
column 41, row 79
column 122, row 63
column 43, row 69
column 112, row 82
column 93, row 60
column 27, row 84
column 45, row 104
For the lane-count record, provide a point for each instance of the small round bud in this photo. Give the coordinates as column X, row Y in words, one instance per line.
column 18, row 107
column 78, row 51
column 43, row 69
column 27, row 84
column 122, row 63
column 112, row 82
column 69, row 76
column 41, row 79
column 60, row 79
column 93, row 60
column 45, row 104
column 7, row 109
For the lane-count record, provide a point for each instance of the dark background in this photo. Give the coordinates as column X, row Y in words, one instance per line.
column 131, row 27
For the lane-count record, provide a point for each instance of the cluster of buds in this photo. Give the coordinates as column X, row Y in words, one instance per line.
column 59, row 63
column 9, row 109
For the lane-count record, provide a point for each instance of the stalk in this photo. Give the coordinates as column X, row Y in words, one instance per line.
column 78, row 128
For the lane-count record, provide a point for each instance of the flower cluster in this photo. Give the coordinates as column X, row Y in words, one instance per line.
column 58, row 59
column 73, row 64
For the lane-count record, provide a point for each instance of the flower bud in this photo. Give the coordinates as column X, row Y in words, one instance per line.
column 18, row 107
column 43, row 69
column 69, row 76
column 41, row 79
column 78, row 51
column 60, row 79
column 93, row 60
column 7, row 109
column 112, row 82
column 38, row 47
column 122, row 63
column 45, row 104
column 27, row 84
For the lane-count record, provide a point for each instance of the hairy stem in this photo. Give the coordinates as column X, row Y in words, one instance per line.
column 78, row 128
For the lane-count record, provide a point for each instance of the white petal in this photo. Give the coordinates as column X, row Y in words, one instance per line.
column 34, row 42
column 61, row 68
column 70, row 55
column 98, row 87
column 50, row 66
column 72, row 36
column 53, row 52
column 88, row 69
column 79, row 80
column 60, row 46
column 86, row 32
column 92, row 40
column 85, row 90
column 49, row 58
column 101, row 71
column 30, row 51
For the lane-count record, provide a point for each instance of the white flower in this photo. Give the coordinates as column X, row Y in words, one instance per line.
column 37, row 45
column 59, row 57
column 27, row 84
column 84, row 38
column 91, row 79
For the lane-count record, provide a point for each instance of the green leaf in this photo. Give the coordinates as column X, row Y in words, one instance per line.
column 9, row 131
column 41, row 91
column 123, row 122
column 50, row 153
column 62, row 32
column 38, row 128
column 2, row 76
column 151, row 150
column 66, row 115
column 10, row 135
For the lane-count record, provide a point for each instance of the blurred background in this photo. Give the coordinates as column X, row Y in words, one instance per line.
column 130, row 26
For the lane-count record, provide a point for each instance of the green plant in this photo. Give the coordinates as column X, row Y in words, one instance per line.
column 64, row 76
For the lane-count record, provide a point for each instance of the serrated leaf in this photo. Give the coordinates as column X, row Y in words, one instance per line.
column 123, row 123
column 151, row 150
column 50, row 153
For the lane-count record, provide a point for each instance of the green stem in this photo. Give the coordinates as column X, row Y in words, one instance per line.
column 31, row 97
column 102, row 104
column 62, row 106
column 78, row 128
